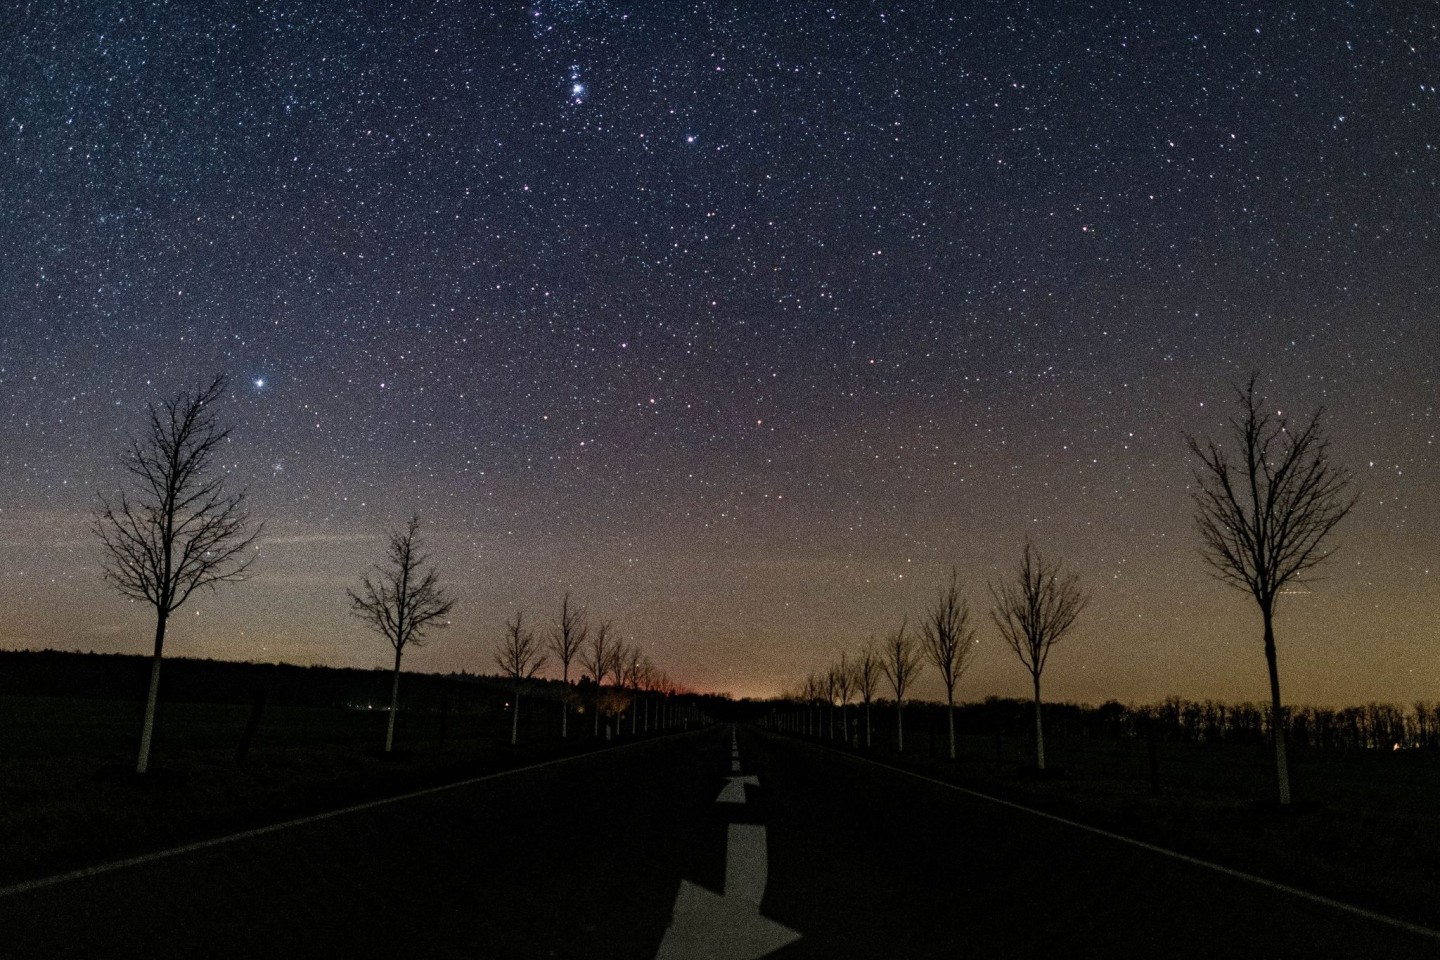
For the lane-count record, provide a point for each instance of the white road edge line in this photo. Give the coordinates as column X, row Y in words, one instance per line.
column 82, row 873
column 1174, row 854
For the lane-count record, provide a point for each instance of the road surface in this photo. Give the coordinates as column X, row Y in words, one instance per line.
column 705, row 844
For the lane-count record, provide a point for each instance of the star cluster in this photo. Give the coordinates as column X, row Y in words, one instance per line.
column 742, row 323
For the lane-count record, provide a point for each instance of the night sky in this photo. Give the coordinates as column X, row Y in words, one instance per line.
column 741, row 322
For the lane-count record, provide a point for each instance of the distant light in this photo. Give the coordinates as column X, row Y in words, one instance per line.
column 259, row 383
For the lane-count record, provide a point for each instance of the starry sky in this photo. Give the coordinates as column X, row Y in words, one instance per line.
column 744, row 323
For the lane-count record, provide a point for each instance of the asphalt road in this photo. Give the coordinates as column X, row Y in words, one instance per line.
column 591, row 858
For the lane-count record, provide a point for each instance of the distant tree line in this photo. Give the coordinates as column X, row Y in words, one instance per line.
column 103, row 676
column 1372, row 726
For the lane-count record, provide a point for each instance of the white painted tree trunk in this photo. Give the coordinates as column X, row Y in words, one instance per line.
column 1277, row 712
column 515, row 720
column 147, row 728
column 1039, row 729
column 950, row 699
column 394, row 705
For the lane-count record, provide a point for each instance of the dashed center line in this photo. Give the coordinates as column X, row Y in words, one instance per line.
column 704, row 925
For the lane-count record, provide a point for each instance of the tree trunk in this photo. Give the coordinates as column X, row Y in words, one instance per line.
column 1039, row 728
column 147, row 728
column 634, row 718
column 1277, row 714
column 867, row 725
column 515, row 719
column 565, row 701
column 394, row 705
column 900, row 725
column 950, row 700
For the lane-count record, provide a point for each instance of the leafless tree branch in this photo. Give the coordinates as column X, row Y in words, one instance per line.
column 180, row 531
column 1264, row 508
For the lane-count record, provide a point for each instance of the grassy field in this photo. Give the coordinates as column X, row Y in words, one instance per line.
column 1365, row 827
column 69, row 797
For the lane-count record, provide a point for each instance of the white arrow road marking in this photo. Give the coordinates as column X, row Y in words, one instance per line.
column 711, row 927
column 707, row 926
column 734, row 789
column 745, row 863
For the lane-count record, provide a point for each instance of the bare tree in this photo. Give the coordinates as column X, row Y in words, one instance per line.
column 829, row 690
column 948, row 641
column 1033, row 612
column 617, row 700
column 520, row 657
column 867, row 681
column 632, row 668
column 900, row 660
column 566, row 642
column 402, row 601
column 844, row 690
column 1264, row 516
column 598, row 658
column 179, row 531
column 649, row 682
column 813, row 690
column 665, row 688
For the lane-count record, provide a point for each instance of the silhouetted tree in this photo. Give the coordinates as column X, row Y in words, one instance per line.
column 829, row 692
column 616, row 699
column 649, row 682
column 814, row 692
column 598, row 658
column 566, row 642
column 179, row 531
column 844, row 672
column 1033, row 612
column 1264, row 515
column 867, row 681
column 665, row 688
column 900, row 660
column 519, row 658
column 631, row 671
column 948, row 641
column 402, row 601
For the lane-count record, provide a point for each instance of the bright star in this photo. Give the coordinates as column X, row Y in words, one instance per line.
column 259, row 383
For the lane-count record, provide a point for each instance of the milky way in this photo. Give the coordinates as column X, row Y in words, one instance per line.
column 743, row 325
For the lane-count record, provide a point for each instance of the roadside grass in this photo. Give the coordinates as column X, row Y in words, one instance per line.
column 69, row 796
column 1365, row 828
